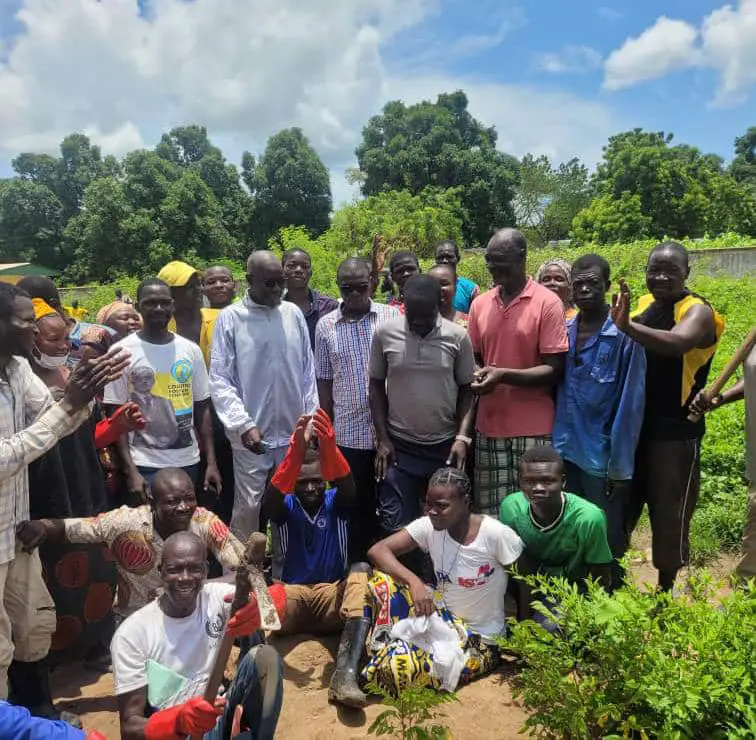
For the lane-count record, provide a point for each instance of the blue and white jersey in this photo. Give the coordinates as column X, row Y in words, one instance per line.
column 314, row 548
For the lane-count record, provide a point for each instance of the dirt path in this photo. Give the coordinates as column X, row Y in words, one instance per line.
column 485, row 710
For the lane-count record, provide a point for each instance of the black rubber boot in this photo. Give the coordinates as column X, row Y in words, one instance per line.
column 29, row 685
column 344, row 688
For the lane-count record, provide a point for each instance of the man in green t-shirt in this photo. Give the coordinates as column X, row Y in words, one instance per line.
column 564, row 535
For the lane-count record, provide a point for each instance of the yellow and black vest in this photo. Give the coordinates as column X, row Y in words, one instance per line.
column 673, row 382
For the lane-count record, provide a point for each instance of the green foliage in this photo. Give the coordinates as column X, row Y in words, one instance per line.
column 743, row 166
column 324, row 261
column 608, row 220
column 440, row 145
column 290, row 185
column 640, row 664
column 411, row 713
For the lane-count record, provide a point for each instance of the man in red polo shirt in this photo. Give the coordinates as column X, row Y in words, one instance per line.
column 519, row 336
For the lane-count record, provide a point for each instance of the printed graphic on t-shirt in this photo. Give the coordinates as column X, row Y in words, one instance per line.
column 167, row 404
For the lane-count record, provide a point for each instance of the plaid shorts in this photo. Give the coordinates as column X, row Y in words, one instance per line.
column 496, row 463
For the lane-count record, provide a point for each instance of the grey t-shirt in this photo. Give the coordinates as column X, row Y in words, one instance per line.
column 749, row 375
column 422, row 375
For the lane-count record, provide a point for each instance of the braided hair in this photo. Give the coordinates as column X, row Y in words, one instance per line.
column 452, row 478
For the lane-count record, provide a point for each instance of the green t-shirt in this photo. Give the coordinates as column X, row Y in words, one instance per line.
column 567, row 549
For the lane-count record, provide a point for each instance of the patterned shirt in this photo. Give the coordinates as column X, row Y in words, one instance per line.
column 342, row 352
column 30, row 425
column 137, row 548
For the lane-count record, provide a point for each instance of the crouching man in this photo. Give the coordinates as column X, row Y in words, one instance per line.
column 321, row 596
column 164, row 653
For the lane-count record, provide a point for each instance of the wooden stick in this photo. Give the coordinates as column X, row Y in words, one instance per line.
column 732, row 365
column 254, row 556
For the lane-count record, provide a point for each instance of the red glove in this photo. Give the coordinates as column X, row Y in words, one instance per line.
column 333, row 464
column 247, row 621
column 194, row 717
column 125, row 419
column 287, row 473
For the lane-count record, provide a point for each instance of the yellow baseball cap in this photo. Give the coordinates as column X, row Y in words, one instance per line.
column 177, row 274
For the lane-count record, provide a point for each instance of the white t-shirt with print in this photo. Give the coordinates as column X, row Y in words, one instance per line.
column 472, row 578
column 172, row 657
column 165, row 380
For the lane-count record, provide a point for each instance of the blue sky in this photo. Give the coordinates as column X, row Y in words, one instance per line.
column 553, row 77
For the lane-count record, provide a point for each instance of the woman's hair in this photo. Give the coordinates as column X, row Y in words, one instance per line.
column 8, row 295
column 452, row 478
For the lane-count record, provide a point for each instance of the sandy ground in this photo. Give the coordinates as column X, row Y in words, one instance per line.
column 485, row 711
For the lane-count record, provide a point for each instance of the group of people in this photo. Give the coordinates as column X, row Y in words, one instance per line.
column 404, row 457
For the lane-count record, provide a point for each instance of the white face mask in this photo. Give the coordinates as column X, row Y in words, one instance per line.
column 49, row 362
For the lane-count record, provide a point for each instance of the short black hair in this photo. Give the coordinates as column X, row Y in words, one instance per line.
column 150, row 283
column 447, row 243
column 8, row 295
column 358, row 262
column 39, row 286
column 452, row 478
column 674, row 247
column 289, row 253
column 422, row 287
column 541, row 454
column 587, row 261
column 400, row 255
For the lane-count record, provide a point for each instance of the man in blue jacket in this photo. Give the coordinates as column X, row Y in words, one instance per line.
column 600, row 404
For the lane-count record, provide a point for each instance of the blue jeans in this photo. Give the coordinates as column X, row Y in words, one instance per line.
column 193, row 471
column 258, row 688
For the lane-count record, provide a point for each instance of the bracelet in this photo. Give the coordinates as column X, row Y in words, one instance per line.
column 463, row 438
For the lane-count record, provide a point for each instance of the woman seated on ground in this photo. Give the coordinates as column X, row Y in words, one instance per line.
column 471, row 555
column 556, row 275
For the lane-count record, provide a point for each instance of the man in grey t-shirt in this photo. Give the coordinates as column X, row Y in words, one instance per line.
column 421, row 367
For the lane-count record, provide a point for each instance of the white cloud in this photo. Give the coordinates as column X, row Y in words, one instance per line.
column 609, row 14
column 571, row 60
column 724, row 42
column 246, row 69
column 666, row 46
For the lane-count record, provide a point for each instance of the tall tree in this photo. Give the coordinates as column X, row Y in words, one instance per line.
column 290, row 186
column 441, row 145
column 743, row 166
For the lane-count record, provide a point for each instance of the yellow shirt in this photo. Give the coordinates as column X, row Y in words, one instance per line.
column 209, row 315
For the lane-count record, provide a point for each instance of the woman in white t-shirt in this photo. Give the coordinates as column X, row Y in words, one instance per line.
column 471, row 555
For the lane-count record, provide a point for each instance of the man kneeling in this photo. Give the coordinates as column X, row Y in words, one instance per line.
column 163, row 655
column 321, row 596
column 564, row 535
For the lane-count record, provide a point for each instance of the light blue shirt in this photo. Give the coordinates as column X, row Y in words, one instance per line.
column 600, row 402
column 262, row 372
column 466, row 291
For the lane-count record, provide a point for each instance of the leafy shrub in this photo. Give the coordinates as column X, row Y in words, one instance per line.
column 410, row 714
column 640, row 664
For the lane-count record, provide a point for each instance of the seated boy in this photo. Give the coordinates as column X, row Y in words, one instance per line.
column 564, row 535
column 321, row 596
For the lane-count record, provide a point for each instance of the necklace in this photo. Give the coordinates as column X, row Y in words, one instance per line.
column 548, row 527
column 445, row 574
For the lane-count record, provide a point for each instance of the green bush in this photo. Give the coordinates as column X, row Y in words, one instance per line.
column 640, row 664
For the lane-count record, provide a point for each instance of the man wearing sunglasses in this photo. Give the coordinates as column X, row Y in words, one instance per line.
column 262, row 379
column 342, row 350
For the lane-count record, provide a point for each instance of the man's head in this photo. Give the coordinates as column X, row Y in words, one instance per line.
column 591, row 277
column 52, row 344
column 310, row 485
column 449, row 498
column 666, row 271
column 18, row 328
column 173, row 500
column 183, row 570
column 265, row 278
column 447, row 253
column 218, row 286
column 37, row 286
column 154, row 303
column 402, row 266
column 354, row 278
column 422, row 302
column 446, row 276
column 541, row 475
column 184, row 282
column 297, row 268
column 142, row 379
column 505, row 258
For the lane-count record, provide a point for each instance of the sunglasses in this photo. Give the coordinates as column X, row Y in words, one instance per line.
column 361, row 288
column 269, row 283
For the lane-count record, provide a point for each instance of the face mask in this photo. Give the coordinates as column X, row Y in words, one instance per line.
column 49, row 362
